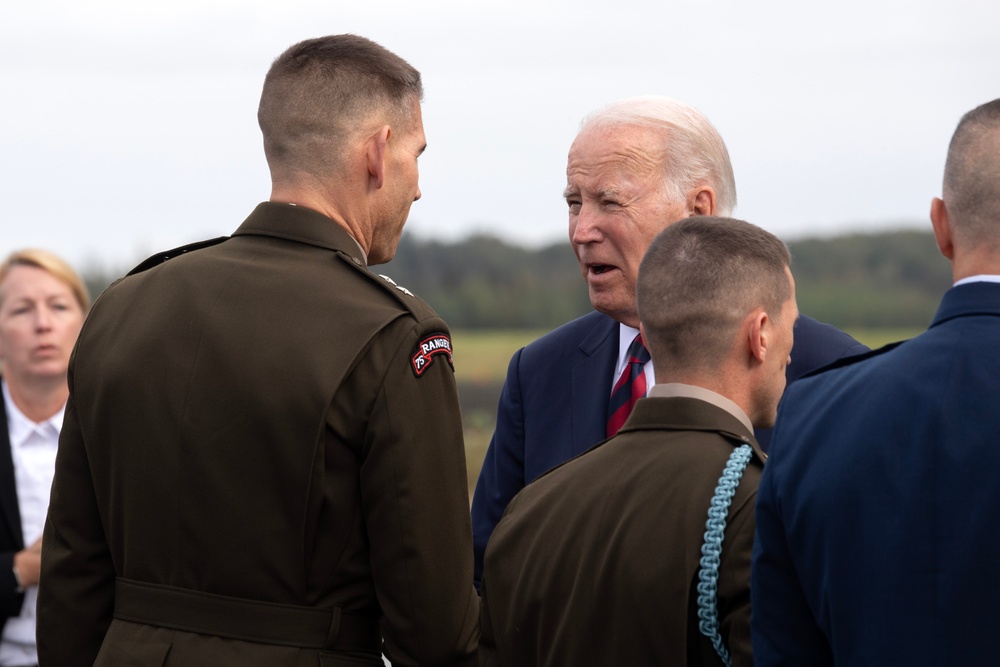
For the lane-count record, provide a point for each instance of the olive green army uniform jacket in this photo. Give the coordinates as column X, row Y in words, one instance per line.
column 261, row 464
column 596, row 562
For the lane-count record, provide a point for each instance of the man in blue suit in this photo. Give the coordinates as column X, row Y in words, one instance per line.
column 635, row 167
column 878, row 510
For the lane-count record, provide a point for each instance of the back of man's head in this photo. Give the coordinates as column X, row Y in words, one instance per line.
column 972, row 178
column 692, row 151
column 320, row 93
column 698, row 281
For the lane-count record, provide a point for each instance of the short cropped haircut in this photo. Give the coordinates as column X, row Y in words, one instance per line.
column 321, row 92
column 972, row 176
column 697, row 282
column 46, row 261
column 693, row 153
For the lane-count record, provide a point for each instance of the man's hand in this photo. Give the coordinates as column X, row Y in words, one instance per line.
column 28, row 564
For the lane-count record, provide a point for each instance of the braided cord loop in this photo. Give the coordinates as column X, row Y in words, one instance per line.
column 711, row 550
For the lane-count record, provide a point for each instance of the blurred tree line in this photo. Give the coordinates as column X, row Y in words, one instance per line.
column 880, row 280
column 486, row 283
column 888, row 279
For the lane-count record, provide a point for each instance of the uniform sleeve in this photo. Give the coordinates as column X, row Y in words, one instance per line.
column 416, row 503
column 76, row 584
column 502, row 474
column 784, row 632
column 489, row 655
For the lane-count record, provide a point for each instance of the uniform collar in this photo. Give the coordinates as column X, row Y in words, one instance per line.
column 968, row 299
column 687, row 413
column 301, row 224
column 673, row 389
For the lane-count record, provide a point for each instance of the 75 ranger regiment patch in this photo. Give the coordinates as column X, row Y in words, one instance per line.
column 429, row 348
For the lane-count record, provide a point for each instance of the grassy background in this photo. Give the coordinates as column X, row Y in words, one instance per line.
column 482, row 355
column 481, row 359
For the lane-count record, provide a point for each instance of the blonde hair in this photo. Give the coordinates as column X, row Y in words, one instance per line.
column 46, row 261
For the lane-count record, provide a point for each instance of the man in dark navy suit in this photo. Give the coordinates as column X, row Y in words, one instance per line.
column 635, row 167
column 878, row 510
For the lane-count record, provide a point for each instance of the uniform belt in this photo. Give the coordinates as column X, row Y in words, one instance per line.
column 246, row 620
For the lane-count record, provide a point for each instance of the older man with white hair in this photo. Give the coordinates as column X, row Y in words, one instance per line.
column 635, row 167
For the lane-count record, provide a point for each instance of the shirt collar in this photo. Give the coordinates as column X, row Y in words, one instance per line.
column 981, row 278
column 20, row 428
column 626, row 335
column 674, row 389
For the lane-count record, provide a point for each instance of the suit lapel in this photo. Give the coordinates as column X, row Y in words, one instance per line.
column 591, row 384
column 8, row 488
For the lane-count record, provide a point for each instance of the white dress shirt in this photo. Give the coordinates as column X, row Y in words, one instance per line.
column 33, row 450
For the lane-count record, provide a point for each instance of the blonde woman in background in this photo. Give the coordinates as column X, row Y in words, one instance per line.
column 42, row 306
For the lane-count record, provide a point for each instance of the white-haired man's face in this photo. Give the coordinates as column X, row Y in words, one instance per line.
column 617, row 205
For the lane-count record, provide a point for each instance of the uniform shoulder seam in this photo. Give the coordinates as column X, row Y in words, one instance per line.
column 161, row 257
column 416, row 306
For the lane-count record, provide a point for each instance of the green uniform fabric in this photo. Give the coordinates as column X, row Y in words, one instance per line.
column 596, row 562
column 245, row 420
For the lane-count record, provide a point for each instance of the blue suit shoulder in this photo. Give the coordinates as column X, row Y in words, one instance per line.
column 588, row 332
column 818, row 344
column 852, row 360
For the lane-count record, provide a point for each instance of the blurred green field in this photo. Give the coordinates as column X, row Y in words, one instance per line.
column 481, row 358
column 483, row 355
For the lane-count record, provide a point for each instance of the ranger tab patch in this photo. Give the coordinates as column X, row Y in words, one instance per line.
column 429, row 348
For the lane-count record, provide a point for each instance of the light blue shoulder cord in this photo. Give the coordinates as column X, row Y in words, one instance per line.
column 708, row 575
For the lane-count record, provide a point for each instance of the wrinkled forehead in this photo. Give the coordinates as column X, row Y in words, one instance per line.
column 619, row 151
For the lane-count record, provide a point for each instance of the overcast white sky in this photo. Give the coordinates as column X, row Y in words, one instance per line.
column 129, row 128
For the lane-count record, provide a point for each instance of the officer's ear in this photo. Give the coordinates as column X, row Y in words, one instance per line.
column 375, row 154
column 758, row 335
column 942, row 228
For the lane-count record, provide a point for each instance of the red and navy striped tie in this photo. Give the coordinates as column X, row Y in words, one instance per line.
column 631, row 386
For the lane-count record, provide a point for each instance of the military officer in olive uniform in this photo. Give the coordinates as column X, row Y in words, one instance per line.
column 605, row 560
column 262, row 458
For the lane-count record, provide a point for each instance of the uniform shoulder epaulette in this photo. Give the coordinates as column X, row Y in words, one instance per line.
column 739, row 440
column 161, row 257
column 853, row 359
column 435, row 343
column 417, row 306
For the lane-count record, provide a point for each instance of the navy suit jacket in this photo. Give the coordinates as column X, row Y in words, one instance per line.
column 878, row 507
column 11, row 540
column 554, row 406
